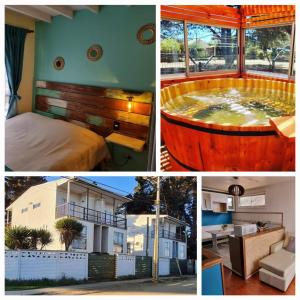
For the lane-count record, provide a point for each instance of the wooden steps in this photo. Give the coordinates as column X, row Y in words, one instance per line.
column 164, row 159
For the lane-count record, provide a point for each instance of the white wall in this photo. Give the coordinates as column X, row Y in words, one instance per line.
column 279, row 198
column 40, row 217
column 30, row 265
column 137, row 234
column 164, row 266
column 125, row 265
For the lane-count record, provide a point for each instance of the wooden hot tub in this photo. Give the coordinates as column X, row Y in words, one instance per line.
column 197, row 145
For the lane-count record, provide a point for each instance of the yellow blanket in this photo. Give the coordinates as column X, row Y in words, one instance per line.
column 37, row 143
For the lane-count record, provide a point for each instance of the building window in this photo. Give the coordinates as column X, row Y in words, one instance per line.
column 252, row 201
column 81, row 244
column 267, row 50
column 167, row 249
column 118, row 242
column 23, row 210
column 181, row 254
column 36, row 205
column 130, row 247
column 172, row 53
column 211, row 48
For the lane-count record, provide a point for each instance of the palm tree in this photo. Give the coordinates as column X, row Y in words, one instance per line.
column 69, row 230
column 45, row 238
column 17, row 237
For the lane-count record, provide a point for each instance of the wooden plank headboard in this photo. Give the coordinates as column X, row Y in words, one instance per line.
column 97, row 108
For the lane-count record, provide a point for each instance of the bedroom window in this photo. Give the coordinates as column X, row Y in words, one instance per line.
column 252, row 201
column 268, row 50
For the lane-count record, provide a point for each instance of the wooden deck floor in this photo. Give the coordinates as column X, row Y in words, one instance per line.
column 235, row 285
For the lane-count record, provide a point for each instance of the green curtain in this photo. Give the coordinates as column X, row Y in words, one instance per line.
column 14, row 52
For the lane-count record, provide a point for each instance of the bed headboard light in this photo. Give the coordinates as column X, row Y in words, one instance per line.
column 101, row 109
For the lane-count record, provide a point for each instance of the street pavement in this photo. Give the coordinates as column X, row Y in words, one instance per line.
column 165, row 286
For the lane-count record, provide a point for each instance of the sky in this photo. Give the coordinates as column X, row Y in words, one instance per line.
column 124, row 183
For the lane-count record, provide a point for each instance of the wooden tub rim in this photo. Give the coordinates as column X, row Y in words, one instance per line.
column 263, row 130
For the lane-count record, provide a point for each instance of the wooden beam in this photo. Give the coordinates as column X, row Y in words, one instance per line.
column 62, row 10
column 92, row 8
column 30, row 11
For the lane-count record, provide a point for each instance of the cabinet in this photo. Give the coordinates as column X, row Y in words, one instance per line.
column 217, row 202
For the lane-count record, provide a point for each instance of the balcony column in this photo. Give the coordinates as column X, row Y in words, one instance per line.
column 87, row 203
column 68, row 192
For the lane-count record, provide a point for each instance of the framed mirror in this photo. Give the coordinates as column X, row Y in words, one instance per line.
column 59, row 63
column 146, row 34
column 94, row 53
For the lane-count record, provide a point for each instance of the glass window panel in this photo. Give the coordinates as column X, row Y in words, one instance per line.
column 172, row 54
column 212, row 48
column 267, row 50
column 252, row 201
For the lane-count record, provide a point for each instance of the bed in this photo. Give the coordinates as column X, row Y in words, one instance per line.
column 67, row 130
column 37, row 143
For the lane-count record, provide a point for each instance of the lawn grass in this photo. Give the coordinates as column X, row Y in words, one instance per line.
column 17, row 285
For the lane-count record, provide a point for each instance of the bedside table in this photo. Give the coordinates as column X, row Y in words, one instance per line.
column 126, row 141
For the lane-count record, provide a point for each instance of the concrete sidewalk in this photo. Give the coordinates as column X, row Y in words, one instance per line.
column 166, row 285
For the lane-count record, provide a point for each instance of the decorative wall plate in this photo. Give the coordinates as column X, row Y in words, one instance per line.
column 59, row 63
column 94, row 53
column 146, row 34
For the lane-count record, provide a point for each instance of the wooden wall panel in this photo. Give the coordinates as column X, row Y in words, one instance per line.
column 256, row 247
column 97, row 108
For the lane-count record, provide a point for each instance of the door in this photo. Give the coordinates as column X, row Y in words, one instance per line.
column 97, row 238
column 104, row 239
column 175, row 249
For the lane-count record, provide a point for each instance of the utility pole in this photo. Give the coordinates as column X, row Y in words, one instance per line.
column 156, row 236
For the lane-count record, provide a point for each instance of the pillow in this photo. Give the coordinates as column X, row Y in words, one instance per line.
column 291, row 246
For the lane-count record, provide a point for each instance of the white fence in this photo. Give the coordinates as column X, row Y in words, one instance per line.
column 125, row 265
column 164, row 266
column 30, row 265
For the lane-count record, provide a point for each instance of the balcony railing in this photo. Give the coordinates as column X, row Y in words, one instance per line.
column 91, row 215
column 170, row 235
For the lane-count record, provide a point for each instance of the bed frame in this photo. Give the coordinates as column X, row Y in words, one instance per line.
column 102, row 110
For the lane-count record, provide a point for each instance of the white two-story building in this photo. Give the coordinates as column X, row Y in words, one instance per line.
column 96, row 208
column 172, row 236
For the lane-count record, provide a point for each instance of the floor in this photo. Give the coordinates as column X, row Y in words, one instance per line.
column 165, row 286
column 235, row 285
column 224, row 253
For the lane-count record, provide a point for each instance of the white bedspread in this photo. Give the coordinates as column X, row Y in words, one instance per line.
column 37, row 143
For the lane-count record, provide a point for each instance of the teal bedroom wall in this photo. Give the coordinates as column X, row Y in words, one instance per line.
column 125, row 63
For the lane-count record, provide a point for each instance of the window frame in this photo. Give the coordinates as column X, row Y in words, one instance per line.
column 289, row 75
column 116, row 241
column 252, row 206
column 189, row 74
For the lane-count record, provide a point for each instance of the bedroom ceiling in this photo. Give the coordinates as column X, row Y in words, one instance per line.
column 248, row 182
column 46, row 12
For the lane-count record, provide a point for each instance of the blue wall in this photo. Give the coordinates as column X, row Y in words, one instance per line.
column 125, row 63
column 211, row 218
column 212, row 283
